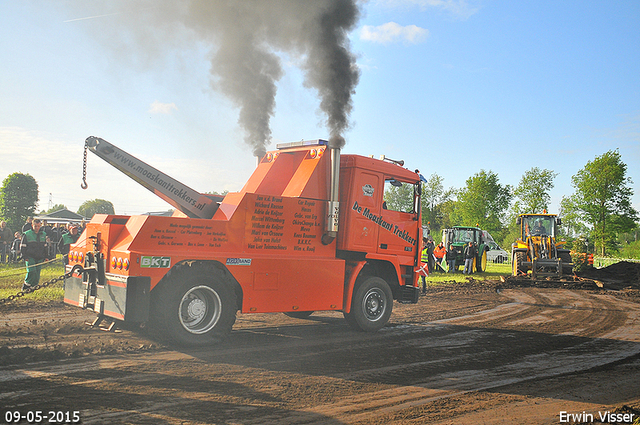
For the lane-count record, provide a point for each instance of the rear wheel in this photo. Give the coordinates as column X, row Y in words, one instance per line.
column 195, row 306
column 371, row 305
column 481, row 265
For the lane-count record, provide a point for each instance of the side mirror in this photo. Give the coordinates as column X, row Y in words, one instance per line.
column 519, row 221
column 559, row 221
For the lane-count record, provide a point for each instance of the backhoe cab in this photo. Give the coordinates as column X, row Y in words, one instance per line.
column 537, row 249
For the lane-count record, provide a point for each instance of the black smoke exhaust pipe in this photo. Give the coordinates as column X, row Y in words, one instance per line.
column 333, row 205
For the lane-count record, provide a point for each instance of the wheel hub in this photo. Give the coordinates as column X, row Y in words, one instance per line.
column 374, row 305
column 196, row 309
column 200, row 309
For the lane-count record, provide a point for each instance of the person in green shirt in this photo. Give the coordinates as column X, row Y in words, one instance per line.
column 34, row 250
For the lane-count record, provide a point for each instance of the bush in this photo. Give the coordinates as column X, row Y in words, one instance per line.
column 631, row 250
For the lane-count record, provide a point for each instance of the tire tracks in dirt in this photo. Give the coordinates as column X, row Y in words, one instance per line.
column 319, row 371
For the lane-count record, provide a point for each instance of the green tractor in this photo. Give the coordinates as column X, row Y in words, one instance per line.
column 460, row 236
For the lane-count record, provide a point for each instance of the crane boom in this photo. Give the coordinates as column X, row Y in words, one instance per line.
column 180, row 196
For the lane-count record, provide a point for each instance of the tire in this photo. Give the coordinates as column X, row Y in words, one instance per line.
column 516, row 263
column 371, row 305
column 195, row 306
column 299, row 314
column 481, row 265
column 566, row 259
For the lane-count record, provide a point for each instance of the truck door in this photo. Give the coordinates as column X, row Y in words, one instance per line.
column 400, row 219
column 359, row 227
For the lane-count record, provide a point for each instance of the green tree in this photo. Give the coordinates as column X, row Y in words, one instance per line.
column 96, row 206
column 435, row 202
column 602, row 199
column 531, row 196
column 483, row 202
column 18, row 199
column 532, row 193
column 215, row 192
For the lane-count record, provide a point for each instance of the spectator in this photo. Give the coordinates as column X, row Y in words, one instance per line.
column 469, row 256
column 430, row 247
column 439, row 252
column 33, row 249
column 451, row 259
column 47, row 229
column 66, row 240
column 424, row 267
column 55, row 235
column 5, row 241
column 15, row 247
column 27, row 225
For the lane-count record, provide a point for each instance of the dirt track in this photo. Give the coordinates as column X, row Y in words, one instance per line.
column 464, row 354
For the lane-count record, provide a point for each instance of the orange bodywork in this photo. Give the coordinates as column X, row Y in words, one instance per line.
column 269, row 235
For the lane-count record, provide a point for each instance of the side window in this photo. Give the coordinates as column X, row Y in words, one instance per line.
column 398, row 196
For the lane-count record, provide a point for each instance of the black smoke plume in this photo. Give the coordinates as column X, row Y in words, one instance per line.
column 246, row 38
column 249, row 33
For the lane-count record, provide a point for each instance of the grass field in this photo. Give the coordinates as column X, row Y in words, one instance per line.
column 494, row 271
column 12, row 276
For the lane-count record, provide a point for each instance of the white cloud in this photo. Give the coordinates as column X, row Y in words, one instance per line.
column 460, row 9
column 162, row 108
column 392, row 32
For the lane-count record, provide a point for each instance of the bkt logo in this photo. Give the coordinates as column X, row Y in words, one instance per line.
column 156, row 262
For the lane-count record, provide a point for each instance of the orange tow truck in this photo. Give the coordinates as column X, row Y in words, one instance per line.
column 309, row 231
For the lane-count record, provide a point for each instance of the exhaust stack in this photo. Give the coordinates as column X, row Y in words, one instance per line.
column 333, row 205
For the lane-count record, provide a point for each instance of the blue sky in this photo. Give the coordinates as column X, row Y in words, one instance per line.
column 451, row 87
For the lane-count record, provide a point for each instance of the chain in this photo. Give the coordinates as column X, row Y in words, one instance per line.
column 84, row 184
column 21, row 294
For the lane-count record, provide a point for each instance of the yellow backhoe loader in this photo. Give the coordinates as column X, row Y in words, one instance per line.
column 537, row 248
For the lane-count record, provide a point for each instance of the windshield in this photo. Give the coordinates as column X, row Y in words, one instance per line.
column 463, row 235
column 538, row 226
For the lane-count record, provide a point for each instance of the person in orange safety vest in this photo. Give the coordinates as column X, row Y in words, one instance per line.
column 439, row 252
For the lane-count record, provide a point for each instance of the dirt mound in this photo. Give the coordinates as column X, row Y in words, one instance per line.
column 622, row 277
column 624, row 273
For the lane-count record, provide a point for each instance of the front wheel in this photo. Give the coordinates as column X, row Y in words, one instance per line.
column 516, row 263
column 567, row 266
column 371, row 305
